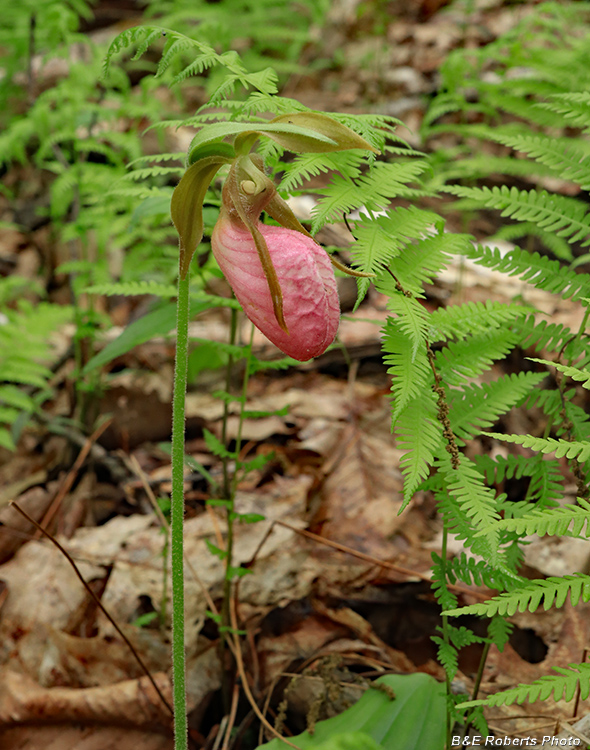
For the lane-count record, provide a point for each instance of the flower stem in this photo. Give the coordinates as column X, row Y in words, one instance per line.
column 177, row 521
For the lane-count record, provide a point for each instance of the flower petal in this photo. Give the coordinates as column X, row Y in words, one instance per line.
column 310, row 297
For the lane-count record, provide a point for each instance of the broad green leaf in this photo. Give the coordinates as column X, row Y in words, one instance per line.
column 186, row 207
column 342, row 136
column 413, row 720
column 219, row 130
column 158, row 322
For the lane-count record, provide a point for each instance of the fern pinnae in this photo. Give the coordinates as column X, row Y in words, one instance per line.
column 567, row 217
column 541, row 272
column 461, row 321
column 552, row 591
column 562, row 685
column 468, row 358
column 560, row 248
column 561, row 448
column 480, row 405
column 475, row 572
column 583, row 376
column 409, row 370
column 134, row 288
column 573, row 106
column 418, row 432
column 566, row 156
column 570, row 520
column 477, row 501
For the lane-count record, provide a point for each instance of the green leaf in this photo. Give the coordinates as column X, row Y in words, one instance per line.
column 321, row 126
column 216, row 446
column 413, row 720
column 186, row 207
column 250, row 517
column 219, row 130
column 158, row 322
column 215, row 550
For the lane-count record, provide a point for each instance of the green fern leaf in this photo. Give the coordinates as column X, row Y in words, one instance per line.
column 551, row 591
column 561, row 448
column 479, row 406
column 131, row 288
column 340, row 197
column 469, row 358
column 459, row 321
column 409, row 369
column 563, row 685
column 574, row 106
column 541, row 272
column 419, row 433
column 412, row 316
column 569, row 520
column 477, row 502
column 569, row 158
column 566, row 217
column 571, row 372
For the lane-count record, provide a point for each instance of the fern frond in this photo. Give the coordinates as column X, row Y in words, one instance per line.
column 571, row 372
column 478, row 406
column 439, row 581
column 561, row 448
column 477, row 502
column 341, row 196
column 412, row 316
column 132, row 288
column 546, row 480
column 569, row 520
column 381, row 238
column 410, row 371
column 511, row 232
column 418, row 433
column 154, row 171
column 568, row 157
column 553, row 592
column 447, row 655
column 499, row 631
column 144, row 36
column 541, row 272
column 468, row 358
column 474, row 572
column 306, row 166
column 388, row 180
column 566, row 217
column 421, row 261
column 573, row 106
column 539, row 335
column 461, row 526
column 563, row 685
column 459, row 321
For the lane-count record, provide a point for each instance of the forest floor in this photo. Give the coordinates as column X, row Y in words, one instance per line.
column 336, row 572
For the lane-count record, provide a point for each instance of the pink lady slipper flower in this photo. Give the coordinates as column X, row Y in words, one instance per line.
column 282, row 278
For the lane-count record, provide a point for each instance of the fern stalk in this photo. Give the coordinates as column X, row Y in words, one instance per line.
column 177, row 521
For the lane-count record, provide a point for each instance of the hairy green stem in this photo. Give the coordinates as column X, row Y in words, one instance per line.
column 177, row 520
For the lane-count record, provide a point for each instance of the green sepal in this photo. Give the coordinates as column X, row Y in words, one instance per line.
column 186, row 206
column 216, row 148
column 219, row 130
column 322, row 126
